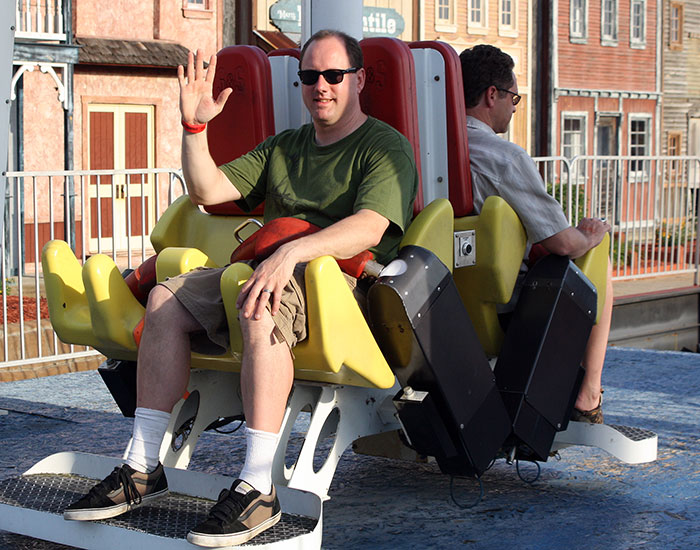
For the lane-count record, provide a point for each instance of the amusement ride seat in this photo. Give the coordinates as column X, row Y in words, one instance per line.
column 98, row 308
column 340, row 348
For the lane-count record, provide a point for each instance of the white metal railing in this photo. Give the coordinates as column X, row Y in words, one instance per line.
column 651, row 202
column 88, row 209
column 40, row 19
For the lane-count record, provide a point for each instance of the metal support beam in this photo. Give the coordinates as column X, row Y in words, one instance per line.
column 7, row 37
column 344, row 16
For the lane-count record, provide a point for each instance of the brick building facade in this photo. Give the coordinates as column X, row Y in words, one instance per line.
column 602, row 78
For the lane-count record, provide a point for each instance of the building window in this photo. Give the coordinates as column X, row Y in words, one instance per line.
column 608, row 22
column 675, row 34
column 507, row 10
column 673, row 149
column 573, row 142
column 639, row 144
column 578, row 25
column 573, row 139
column 674, row 144
column 443, row 10
column 197, row 9
column 445, row 13
column 478, row 16
column 638, row 23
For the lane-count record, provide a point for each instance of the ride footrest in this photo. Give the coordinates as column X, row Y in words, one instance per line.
column 450, row 406
column 33, row 505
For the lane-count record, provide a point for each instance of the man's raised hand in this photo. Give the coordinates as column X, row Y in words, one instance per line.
column 197, row 105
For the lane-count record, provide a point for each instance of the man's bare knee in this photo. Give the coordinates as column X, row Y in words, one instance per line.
column 258, row 330
column 165, row 309
column 159, row 295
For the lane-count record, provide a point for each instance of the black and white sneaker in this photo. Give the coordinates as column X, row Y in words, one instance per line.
column 122, row 490
column 240, row 514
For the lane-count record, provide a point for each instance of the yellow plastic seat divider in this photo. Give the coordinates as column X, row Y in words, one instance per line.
column 500, row 242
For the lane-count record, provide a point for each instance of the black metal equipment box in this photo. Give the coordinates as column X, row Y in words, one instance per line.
column 120, row 378
column 538, row 370
column 450, row 406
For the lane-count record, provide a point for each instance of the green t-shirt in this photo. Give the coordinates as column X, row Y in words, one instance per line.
column 372, row 168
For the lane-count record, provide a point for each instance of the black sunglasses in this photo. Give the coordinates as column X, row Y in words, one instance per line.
column 516, row 97
column 332, row 76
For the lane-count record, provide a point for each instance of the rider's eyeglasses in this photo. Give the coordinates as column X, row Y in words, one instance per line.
column 332, row 76
column 516, row 97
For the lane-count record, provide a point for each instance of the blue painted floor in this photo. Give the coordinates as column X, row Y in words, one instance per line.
column 587, row 500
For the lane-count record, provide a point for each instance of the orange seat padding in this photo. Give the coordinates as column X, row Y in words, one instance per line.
column 279, row 231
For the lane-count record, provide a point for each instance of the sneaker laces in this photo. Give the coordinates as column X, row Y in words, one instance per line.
column 229, row 505
column 118, row 478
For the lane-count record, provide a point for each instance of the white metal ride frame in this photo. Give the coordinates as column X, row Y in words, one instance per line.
column 339, row 414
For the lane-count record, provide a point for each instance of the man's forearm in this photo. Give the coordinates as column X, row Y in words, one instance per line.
column 344, row 239
column 206, row 184
column 572, row 242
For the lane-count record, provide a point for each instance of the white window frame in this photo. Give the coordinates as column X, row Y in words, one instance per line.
column 609, row 38
column 634, row 170
column 578, row 36
column 578, row 178
column 481, row 26
column 449, row 24
column 638, row 42
column 510, row 30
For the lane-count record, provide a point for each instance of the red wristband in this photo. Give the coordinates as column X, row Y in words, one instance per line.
column 193, row 128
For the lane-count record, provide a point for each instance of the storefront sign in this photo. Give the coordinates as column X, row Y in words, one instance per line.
column 381, row 22
column 286, row 16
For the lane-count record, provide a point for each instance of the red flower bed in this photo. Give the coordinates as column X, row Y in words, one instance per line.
column 29, row 309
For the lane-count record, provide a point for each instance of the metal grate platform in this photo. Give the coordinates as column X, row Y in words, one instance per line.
column 635, row 434
column 171, row 517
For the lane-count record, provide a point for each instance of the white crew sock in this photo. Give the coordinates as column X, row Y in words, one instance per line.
column 259, row 454
column 150, row 426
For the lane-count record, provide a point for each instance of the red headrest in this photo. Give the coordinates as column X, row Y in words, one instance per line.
column 248, row 117
column 459, row 174
column 390, row 91
column 291, row 52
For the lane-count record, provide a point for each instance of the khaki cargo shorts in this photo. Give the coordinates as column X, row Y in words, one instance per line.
column 200, row 292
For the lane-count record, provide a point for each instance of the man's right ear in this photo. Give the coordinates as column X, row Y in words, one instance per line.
column 361, row 79
column 490, row 95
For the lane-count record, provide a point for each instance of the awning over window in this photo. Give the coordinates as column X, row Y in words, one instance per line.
column 131, row 53
column 273, row 40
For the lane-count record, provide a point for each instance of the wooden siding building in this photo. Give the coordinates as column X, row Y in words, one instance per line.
column 681, row 78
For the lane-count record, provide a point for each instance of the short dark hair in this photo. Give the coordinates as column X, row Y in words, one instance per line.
column 484, row 66
column 352, row 46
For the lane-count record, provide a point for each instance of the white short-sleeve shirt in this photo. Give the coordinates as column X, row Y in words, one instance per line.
column 502, row 168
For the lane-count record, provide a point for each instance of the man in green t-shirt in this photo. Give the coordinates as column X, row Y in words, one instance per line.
column 351, row 175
